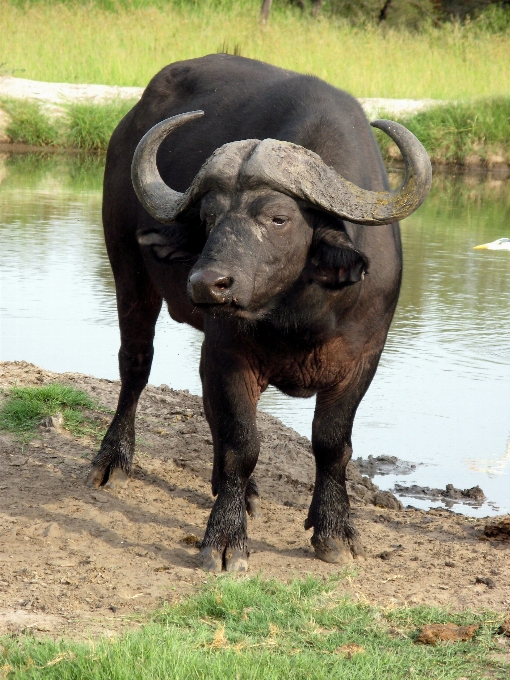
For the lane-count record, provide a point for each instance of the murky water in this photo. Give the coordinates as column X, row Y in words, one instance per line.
column 441, row 396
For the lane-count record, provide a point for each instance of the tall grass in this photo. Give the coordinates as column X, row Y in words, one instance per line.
column 126, row 43
column 265, row 630
column 476, row 130
column 461, row 132
column 82, row 126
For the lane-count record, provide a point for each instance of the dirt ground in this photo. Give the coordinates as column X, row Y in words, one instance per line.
column 79, row 562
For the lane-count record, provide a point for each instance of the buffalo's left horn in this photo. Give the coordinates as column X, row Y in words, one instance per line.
column 302, row 173
column 157, row 198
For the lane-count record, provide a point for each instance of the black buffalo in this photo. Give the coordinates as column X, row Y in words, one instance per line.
column 285, row 252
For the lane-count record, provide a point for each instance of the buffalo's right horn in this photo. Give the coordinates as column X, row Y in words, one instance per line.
column 160, row 201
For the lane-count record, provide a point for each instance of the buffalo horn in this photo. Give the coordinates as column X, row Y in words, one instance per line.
column 160, row 201
column 302, row 173
column 289, row 168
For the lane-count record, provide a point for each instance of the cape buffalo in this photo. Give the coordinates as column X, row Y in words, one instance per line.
column 261, row 213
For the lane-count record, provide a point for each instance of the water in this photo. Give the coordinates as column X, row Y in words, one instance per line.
column 441, row 396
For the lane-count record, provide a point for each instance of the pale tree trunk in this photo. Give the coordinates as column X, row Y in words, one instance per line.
column 265, row 10
column 317, row 7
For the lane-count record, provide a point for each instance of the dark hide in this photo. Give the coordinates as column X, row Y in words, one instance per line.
column 286, row 295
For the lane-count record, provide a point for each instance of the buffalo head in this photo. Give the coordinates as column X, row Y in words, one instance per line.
column 271, row 215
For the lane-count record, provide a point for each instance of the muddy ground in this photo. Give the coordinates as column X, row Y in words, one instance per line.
column 77, row 561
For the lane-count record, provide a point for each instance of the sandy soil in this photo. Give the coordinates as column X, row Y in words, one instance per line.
column 53, row 96
column 78, row 562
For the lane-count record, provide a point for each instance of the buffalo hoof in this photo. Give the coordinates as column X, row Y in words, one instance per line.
column 253, row 507
column 211, row 559
column 231, row 559
column 117, row 479
column 112, row 479
column 338, row 550
column 236, row 560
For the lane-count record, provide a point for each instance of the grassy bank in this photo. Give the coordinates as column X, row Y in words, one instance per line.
column 253, row 628
column 81, row 126
column 126, row 43
column 25, row 408
column 476, row 132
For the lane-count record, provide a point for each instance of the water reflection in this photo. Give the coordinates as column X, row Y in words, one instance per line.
column 442, row 390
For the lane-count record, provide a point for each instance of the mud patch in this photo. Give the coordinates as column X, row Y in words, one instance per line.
column 80, row 561
column 449, row 496
column 384, row 465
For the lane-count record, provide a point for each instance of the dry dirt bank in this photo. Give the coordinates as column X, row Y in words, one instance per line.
column 78, row 561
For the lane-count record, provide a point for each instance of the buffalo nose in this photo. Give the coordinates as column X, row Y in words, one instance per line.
column 209, row 287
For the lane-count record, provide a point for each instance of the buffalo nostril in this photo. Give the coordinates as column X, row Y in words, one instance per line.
column 224, row 283
column 207, row 286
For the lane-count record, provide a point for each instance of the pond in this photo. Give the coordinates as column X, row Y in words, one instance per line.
column 441, row 397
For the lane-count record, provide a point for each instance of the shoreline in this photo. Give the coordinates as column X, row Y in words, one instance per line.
column 37, row 117
column 140, row 534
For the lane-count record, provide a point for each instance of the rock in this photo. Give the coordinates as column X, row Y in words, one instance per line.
column 18, row 461
column 56, row 421
column 448, row 632
column 52, row 531
column 498, row 530
column 100, row 497
column 474, row 496
column 504, row 629
column 192, row 540
column 385, row 499
column 486, row 580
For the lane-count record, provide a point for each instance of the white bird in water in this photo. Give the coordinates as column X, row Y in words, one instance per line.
column 500, row 244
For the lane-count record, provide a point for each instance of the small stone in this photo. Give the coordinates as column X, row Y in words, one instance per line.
column 192, row 540
column 504, row 629
column 498, row 530
column 385, row 555
column 18, row 461
column 55, row 421
column 486, row 580
column 52, row 531
column 99, row 497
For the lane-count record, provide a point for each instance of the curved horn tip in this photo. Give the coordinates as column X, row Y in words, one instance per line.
column 376, row 123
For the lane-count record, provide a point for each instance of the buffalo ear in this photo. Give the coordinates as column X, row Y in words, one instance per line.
column 335, row 262
column 174, row 242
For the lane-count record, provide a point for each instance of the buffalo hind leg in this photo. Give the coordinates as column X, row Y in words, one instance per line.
column 112, row 464
column 230, row 400
column 335, row 538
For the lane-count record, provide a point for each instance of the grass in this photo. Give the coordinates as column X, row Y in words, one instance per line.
column 82, row 126
column 126, row 43
column 26, row 407
column 460, row 132
column 255, row 628
column 451, row 133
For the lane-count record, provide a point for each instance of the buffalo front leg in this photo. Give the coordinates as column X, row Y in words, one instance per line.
column 335, row 538
column 112, row 464
column 231, row 393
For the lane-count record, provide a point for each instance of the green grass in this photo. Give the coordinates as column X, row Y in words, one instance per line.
column 454, row 132
column 25, row 408
column 450, row 133
column 254, row 628
column 126, row 43
column 29, row 123
column 87, row 127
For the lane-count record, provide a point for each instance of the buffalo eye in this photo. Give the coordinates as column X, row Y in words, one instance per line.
column 279, row 220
